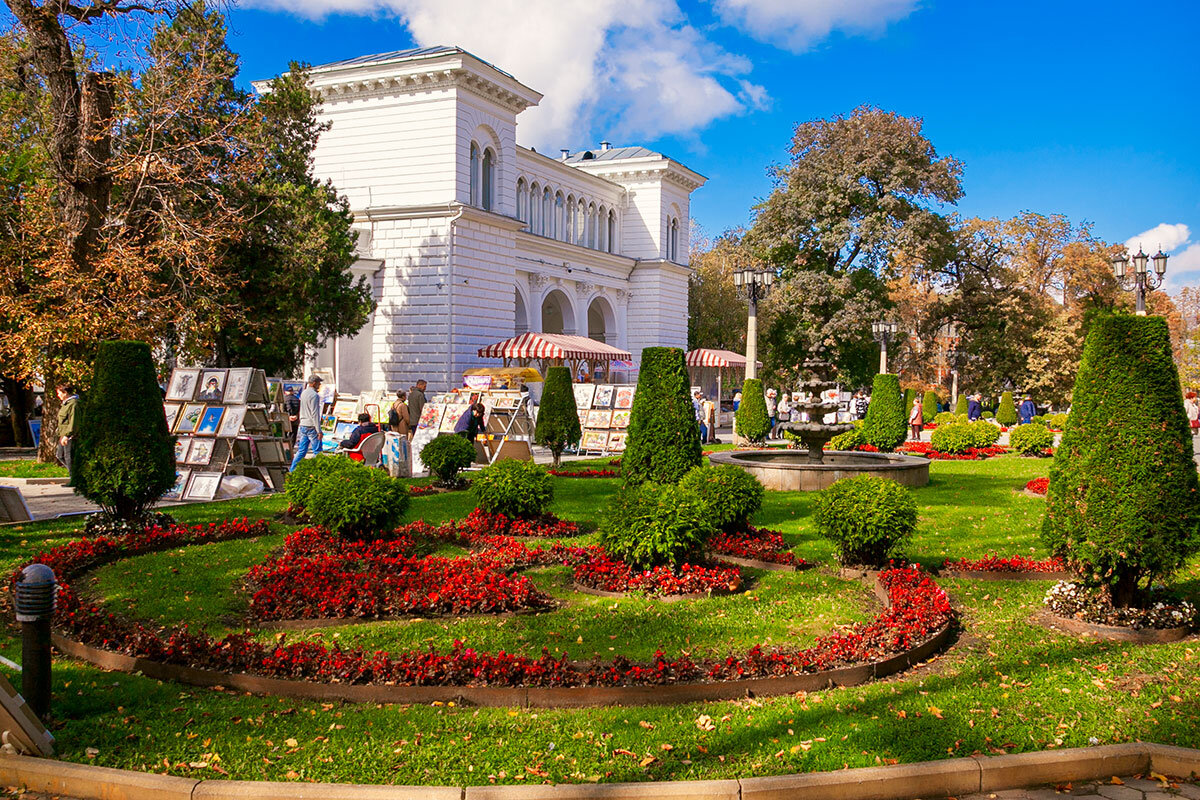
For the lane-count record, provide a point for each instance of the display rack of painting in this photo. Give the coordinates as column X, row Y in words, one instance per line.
column 603, row 410
column 508, row 430
column 220, row 421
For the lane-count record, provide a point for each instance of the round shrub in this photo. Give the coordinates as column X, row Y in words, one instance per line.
column 654, row 524
column 1057, row 422
column 886, row 425
column 1123, row 508
column 963, row 418
column 985, row 433
column 867, row 519
column 1031, row 439
column 446, row 456
column 664, row 437
column 1006, row 413
column 955, row 439
column 358, row 503
column 728, row 493
column 516, row 489
column 1038, row 419
column 557, row 419
column 846, row 441
column 945, row 418
column 309, row 472
column 753, row 422
column 929, row 406
column 988, row 415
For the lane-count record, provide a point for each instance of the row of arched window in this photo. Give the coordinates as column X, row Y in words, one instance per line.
column 483, row 177
column 673, row 239
column 568, row 218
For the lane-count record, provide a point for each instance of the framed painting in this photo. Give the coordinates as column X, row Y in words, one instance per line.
column 270, row 451
column 451, row 417
column 431, row 416
column 171, row 412
column 584, row 392
column 201, row 453
column 583, row 415
column 296, row 387
column 203, row 486
column 210, row 420
column 183, row 384
column 624, row 398
column 620, row 418
column 237, row 385
column 343, row 429
column 189, row 418
column 616, row 442
column 183, row 446
column 328, row 422
column 599, row 419
column 595, row 440
column 604, row 396
column 346, row 408
column 231, row 423
column 181, row 480
column 212, row 385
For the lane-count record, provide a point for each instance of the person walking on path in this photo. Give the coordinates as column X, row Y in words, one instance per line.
column 69, row 399
column 1027, row 411
column 974, row 408
column 1192, row 406
column 308, row 435
column 416, row 402
column 915, row 421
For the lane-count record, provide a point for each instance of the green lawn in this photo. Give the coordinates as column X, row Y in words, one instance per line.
column 28, row 468
column 1005, row 685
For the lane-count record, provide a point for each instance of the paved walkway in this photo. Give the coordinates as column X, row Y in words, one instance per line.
column 1129, row 788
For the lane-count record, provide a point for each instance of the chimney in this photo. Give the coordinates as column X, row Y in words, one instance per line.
column 565, row 152
column 605, row 146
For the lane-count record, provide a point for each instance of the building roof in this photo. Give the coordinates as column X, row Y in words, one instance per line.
column 412, row 54
column 612, row 154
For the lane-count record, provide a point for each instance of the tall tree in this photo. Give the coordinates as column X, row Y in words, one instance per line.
column 716, row 315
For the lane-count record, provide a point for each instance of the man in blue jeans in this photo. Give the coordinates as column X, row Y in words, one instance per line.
column 308, row 437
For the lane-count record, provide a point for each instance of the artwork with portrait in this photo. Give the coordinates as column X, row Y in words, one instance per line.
column 237, row 385
column 183, row 384
column 604, row 396
column 201, row 452
column 583, row 394
column 212, row 386
column 231, row 423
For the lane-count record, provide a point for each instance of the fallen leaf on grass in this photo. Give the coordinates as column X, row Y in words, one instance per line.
column 648, row 760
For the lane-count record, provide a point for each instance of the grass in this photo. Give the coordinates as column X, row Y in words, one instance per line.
column 1007, row 685
column 28, row 468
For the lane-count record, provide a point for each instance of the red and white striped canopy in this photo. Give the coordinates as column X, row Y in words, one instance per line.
column 554, row 345
column 717, row 358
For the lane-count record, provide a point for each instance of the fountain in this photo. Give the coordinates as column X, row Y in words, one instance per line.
column 816, row 468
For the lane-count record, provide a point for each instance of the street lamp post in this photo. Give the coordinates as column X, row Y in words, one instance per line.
column 1141, row 281
column 883, row 331
column 754, row 285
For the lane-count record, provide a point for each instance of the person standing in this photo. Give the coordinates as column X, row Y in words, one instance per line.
column 915, row 420
column 1027, row 411
column 291, row 406
column 399, row 420
column 308, row 435
column 709, row 409
column 772, row 409
column 860, row 404
column 975, row 408
column 784, row 410
column 1192, row 406
column 69, row 399
column 416, row 402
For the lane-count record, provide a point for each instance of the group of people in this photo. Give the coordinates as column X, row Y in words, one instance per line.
column 706, row 417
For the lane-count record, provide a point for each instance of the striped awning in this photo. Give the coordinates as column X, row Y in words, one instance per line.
column 554, row 345
column 717, row 358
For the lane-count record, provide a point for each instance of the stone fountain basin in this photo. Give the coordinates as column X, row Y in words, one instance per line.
column 791, row 470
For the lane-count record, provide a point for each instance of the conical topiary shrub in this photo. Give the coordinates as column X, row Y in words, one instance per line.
column 961, row 406
column 1123, row 507
column 664, row 436
column 1006, row 412
column 910, row 395
column 886, row 425
column 929, row 406
column 558, row 421
column 125, row 456
column 753, row 422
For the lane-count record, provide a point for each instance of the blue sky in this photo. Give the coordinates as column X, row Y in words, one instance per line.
column 1086, row 109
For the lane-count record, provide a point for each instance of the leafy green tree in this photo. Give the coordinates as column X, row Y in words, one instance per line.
column 886, row 424
column 1123, row 508
column 1006, row 412
column 753, row 422
column 664, row 437
column 558, row 420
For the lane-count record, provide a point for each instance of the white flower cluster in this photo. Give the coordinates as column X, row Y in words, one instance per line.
column 1068, row 599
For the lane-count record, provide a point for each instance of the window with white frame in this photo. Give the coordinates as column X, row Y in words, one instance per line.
column 488, row 181
column 474, row 178
column 522, row 200
column 547, row 213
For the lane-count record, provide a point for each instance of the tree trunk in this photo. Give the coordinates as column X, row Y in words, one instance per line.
column 50, row 405
column 1124, row 592
column 20, row 404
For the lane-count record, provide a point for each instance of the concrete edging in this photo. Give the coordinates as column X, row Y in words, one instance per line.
column 1111, row 633
column 1003, row 575
column 952, row 777
column 46, row 481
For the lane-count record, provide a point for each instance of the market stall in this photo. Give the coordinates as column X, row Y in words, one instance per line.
column 712, row 370
column 547, row 349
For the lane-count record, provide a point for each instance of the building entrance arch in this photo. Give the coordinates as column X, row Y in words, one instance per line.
column 557, row 314
column 602, row 321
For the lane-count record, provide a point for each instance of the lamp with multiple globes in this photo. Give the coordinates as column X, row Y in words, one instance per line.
column 754, row 285
column 1143, row 279
column 883, row 332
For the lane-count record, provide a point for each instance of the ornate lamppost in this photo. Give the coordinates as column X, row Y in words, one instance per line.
column 754, row 285
column 883, row 331
column 1141, row 281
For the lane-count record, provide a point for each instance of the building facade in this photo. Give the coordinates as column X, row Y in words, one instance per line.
column 469, row 238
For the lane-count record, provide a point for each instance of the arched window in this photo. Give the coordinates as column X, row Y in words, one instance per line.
column 581, row 223
column 547, row 213
column 591, row 231
column 489, row 178
column 560, row 219
column 569, row 231
column 602, row 229
column 535, row 210
column 522, row 200
column 673, row 241
column 474, row 199
column 612, row 231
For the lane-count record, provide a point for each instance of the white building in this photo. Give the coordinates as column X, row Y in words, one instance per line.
column 470, row 238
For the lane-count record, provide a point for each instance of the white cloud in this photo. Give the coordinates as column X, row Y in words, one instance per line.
column 607, row 69
column 1164, row 235
column 799, row 24
column 1183, row 267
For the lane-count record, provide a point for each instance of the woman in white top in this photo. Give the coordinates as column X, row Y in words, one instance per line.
column 915, row 421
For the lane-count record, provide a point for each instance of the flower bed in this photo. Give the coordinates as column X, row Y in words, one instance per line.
column 1038, row 486
column 1160, row 611
column 585, row 473
column 421, row 491
column 603, row 573
column 480, row 523
column 756, row 544
column 972, row 453
column 992, row 563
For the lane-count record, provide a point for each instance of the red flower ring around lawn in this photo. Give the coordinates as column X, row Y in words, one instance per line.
column 994, row 563
column 972, row 453
column 755, row 544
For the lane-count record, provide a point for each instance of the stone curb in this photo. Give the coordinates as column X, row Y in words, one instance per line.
column 951, row 777
column 1003, row 575
column 48, row 481
column 1111, row 633
column 754, row 563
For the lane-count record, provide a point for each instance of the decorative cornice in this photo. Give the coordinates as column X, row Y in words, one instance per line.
column 584, row 289
column 537, row 280
column 353, row 88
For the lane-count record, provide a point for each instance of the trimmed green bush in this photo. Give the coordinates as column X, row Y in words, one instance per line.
column 309, row 472
column 1057, row 422
column 985, row 434
column 955, row 439
column 1006, row 412
column 1123, row 508
column 1031, row 439
column 963, row 419
column 358, row 503
column 988, row 415
column 929, row 406
column 124, row 456
column 1038, row 419
column 945, row 418
column 886, row 425
column 664, row 437
column 729, row 494
column 846, row 441
column 961, row 406
column 653, row 524
column 910, row 395
column 516, row 489
column 446, row 456
column 753, row 422
column 867, row 519
column 557, row 419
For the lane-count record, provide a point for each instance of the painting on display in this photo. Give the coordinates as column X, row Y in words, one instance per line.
column 270, row 451
column 620, row 418
column 343, row 430
column 212, row 386
column 583, row 394
column 346, row 408
column 296, row 387
column 210, row 420
column 237, row 385
column 176, row 490
column 595, row 440
column 189, row 418
column 616, row 442
column 599, row 419
column 583, row 415
column 171, row 412
column 431, row 416
column 182, row 445
column 200, row 453
column 231, row 423
column 183, row 384
column 203, row 486
column 604, row 396
column 453, row 414
column 624, row 398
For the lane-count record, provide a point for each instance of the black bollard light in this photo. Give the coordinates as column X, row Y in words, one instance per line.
column 37, row 591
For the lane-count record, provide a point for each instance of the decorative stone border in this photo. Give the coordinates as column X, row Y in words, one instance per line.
column 662, row 598
column 1034, row 495
column 754, row 563
column 1003, row 575
column 1111, row 633
column 950, row 777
